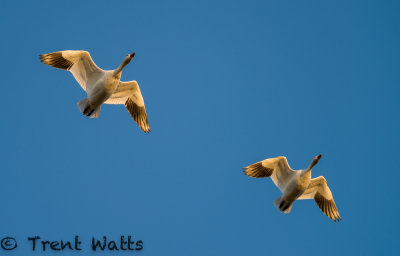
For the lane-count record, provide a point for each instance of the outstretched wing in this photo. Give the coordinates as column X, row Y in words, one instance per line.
column 276, row 168
column 79, row 63
column 320, row 192
column 128, row 93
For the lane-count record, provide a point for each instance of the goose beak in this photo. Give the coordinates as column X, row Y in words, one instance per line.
column 132, row 54
column 319, row 156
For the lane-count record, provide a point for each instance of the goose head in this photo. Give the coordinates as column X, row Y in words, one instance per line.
column 128, row 58
column 314, row 161
column 125, row 62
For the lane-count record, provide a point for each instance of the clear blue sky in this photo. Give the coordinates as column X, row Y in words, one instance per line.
column 226, row 84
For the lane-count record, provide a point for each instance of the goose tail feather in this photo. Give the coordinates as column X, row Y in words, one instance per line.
column 87, row 109
column 283, row 205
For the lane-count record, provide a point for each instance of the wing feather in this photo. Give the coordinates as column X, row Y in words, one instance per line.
column 128, row 93
column 322, row 195
column 79, row 63
column 277, row 168
column 257, row 170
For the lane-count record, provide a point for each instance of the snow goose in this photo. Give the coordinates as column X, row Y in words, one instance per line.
column 295, row 185
column 101, row 86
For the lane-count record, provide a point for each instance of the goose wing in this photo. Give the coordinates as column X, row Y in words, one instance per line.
column 276, row 168
column 79, row 63
column 320, row 192
column 128, row 93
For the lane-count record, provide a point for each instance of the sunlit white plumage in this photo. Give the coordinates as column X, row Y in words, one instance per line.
column 101, row 86
column 295, row 185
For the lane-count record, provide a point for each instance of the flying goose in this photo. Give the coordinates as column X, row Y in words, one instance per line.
column 295, row 185
column 101, row 86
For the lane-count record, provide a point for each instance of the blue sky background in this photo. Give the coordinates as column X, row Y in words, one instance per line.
column 226, row 84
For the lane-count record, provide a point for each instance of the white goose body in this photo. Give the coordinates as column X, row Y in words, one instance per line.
column 295, row 185
column 101, row 86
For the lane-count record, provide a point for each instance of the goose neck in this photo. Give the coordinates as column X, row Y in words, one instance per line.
column 121, row 67
column 306, row 171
